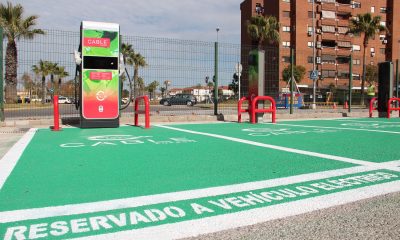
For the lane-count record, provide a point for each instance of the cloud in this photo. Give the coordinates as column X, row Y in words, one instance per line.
column 192, row 20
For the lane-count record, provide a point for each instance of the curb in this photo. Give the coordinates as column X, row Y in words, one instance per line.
column 196, row 118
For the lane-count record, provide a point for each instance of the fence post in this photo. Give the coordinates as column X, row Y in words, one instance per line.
column 397, row 78
column 216, row 79
column 350, row 79
column 291, row 79
column 1, row 78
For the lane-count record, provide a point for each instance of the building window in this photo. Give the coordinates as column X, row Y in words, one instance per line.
column 328, row 73
column 383, row 10
column 356, row 48
column 286, row 59
column 310, row 59
column 286, row 28
column 372, row 9
column 382, row 50
column 356, row 61
column 310, row 44
column 286, row 44
column 286, row 14
column 328, row 59
column 383, row 23
column 356, row 5
column 342, row 59
column 287, row 1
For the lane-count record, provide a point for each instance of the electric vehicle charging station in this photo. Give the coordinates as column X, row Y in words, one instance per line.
column 99, row 75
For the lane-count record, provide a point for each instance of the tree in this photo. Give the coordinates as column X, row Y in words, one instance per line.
column 28, row 83
column 15, row 27
column 152, row 87
column 52, row 71
column 141, row 86
column 368, row 26
column 371, row 76
column 262, row 29
column 43, row 69
column 61, row 73
column 298, row 72
column 162, row 90
column 234, row 86
column 135, row 59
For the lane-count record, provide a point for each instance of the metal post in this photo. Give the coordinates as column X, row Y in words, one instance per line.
column 350, row 79
column 239, row 74
column 1, row 78
column 397, row 78
column 314, row 105
column 216, row 79
column 291, row 79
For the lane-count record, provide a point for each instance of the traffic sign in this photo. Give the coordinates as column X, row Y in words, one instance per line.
column 314, row 75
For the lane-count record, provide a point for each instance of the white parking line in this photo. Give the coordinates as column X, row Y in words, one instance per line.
column 370, row 121
column 250, row 217
column 35, row 213
column 337, row 128
column 10, row 159
column 286, row 149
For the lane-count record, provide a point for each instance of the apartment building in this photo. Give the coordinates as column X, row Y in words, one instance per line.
column 332, row 47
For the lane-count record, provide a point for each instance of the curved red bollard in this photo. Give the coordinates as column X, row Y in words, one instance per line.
column 255, row 110
column 240, row 109
column 56, row 114
column 393, row 108
column 146, row 111
column 371, row 106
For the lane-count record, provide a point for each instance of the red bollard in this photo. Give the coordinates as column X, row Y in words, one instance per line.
column 56, row 112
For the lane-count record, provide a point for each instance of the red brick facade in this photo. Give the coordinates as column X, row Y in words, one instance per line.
column 332, row 44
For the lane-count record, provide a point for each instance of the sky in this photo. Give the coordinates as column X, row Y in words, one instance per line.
column 178, row 19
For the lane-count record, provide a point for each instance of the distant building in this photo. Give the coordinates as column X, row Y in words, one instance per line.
column 333, row 46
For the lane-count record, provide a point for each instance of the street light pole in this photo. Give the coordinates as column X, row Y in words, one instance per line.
column 314, row 105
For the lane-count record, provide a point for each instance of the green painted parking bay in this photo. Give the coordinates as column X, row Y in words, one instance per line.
column 79, row 166
column 181, row 180
column 372, row 140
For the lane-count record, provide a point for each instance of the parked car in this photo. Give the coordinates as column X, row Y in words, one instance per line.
column 124, row 100
column 179, row 99
column 64, row 100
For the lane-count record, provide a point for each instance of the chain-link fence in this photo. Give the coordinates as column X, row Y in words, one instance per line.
column 174, row 67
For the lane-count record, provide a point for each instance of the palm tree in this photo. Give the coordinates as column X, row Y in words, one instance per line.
column 53, row 69
column 135, row 59
column 141, row 86
column 138, row 61
column 15, row 27
column 368, row 26
column 262, row 29
column 61, row 73
column 43, row 69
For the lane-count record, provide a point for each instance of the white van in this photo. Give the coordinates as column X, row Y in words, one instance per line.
column 64, row 100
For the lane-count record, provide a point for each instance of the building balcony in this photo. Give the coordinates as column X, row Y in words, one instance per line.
column 344, row 37
column 328, row 66
column 345, row 8
column 343, row 67
column 328, row 51
column 326, row 7
column 326, row 21
column 328, row 36
column 343, row 22
column 343, row 51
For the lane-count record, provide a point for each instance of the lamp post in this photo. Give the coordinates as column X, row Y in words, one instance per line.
column 314, row 105
column 216, row 75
